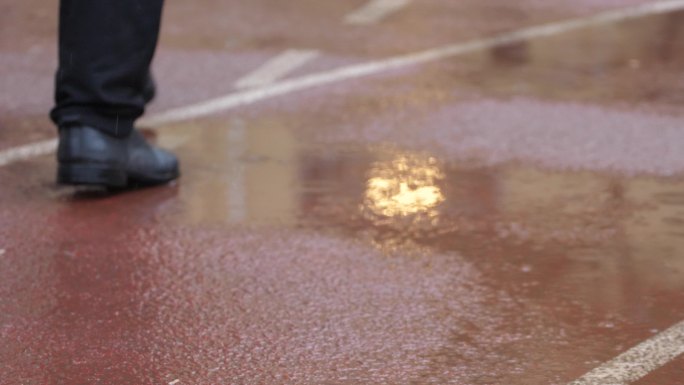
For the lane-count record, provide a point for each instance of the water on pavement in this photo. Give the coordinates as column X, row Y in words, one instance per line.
column 514, row 216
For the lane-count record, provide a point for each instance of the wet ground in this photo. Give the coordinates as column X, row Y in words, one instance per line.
column 510, row 216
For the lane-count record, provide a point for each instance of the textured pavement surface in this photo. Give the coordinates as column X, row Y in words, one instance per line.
column 511, row 216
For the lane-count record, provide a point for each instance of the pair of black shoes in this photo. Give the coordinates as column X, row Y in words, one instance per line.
column 87, row 156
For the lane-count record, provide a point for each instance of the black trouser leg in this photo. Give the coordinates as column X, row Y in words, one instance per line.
column 105, row 51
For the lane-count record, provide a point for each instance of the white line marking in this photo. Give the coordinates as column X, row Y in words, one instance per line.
column 250, row 96
column 28, row 151
column 638, row 361
column 174, row 382
column 375, row 11
column 276, row 68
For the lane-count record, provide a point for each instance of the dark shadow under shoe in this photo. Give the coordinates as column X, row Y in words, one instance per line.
column 87, row 156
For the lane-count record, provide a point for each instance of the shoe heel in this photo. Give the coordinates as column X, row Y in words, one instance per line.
column 91, row 174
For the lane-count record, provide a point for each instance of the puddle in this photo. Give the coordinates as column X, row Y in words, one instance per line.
column 268, row 175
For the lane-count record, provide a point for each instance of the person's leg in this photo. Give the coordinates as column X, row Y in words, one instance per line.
column 105, row 51
column 102, row 85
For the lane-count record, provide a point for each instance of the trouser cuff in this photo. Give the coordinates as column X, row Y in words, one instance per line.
column 116, row 125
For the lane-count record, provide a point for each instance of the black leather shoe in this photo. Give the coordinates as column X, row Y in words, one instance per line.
column 87, row 156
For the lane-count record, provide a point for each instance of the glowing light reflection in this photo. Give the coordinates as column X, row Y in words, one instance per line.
column 406, row 185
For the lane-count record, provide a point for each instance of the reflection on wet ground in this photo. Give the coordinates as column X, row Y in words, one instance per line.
column 635, row 61
column 270, row 175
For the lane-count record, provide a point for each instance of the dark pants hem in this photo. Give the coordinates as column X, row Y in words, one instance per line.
column 118, row 126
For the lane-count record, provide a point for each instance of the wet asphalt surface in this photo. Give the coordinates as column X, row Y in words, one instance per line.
column 513, row 216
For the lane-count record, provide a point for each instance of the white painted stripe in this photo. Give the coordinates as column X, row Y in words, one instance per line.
column 355, row 71
column 639, row 361
column 28, row 151
column 375, row 11
column 276, row 68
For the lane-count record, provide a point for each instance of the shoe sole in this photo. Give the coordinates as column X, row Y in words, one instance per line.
column 92, row 175
column 152, row 179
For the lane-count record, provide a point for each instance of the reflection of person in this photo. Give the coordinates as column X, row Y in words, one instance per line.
column 102, row 86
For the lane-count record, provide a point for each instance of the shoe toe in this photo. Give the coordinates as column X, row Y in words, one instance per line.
column 168, row 162
column 148, row 164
